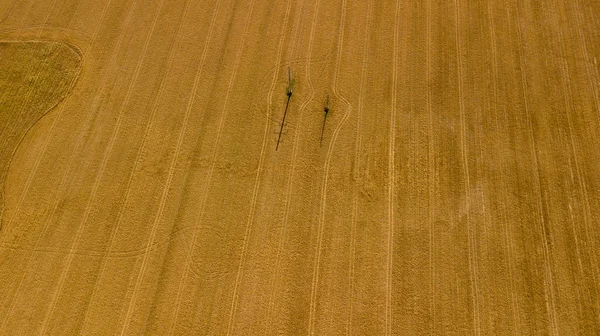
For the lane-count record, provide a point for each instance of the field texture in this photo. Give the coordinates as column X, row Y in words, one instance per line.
column 452, row 189
column 34, row 77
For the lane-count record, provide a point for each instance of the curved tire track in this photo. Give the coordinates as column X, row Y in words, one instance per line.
column 253, row 202
column 315, row 278
column 213, row 162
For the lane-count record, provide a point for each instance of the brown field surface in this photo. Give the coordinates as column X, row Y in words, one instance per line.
column 455, row 190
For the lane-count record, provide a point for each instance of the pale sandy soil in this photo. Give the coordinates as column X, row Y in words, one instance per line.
column 456, row 190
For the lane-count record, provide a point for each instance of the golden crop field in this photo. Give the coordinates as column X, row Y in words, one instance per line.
column 151, row 185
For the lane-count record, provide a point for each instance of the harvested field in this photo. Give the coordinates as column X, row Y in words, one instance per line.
column 34, row 77
column 455, row 190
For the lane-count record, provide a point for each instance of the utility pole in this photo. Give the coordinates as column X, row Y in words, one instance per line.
column 326, row 110
column 290, row 91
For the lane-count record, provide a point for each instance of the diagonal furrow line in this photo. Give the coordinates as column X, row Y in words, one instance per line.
column 593, row 83
column 79, row 143
column 36, row 165
column 391, row 177
column 110, row 149
column 240, row 270
column 431, row 173
column 6, row 15
column 289, row 191
column 189, row 108
column 28, row 183
column 22, row 23
column 96, row 252
column 72, row 251
column 316, row 267
column 9, row 130
column 29, row 93
column 22, row 109
column 213, row 163
column 508, row 234
column 568, row 96
column 357, row 177
column 593, row 87
column 465, row 162
column 548, row 281
column 75, row 12
column 171, row 167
